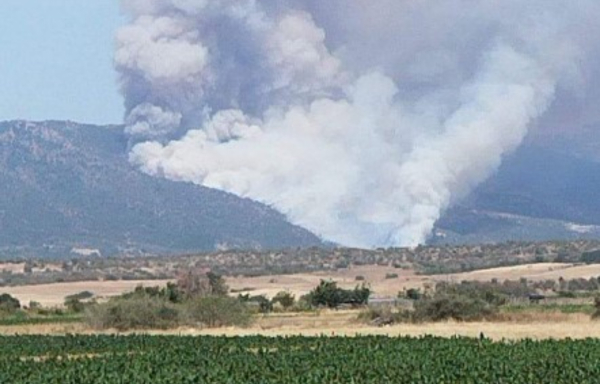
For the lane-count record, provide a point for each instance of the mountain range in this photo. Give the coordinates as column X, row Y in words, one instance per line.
column 68, row 189
column 548, row 189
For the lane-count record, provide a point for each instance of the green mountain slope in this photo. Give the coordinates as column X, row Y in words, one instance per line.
column 66, row 186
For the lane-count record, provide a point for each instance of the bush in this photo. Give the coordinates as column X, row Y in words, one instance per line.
column 359, row 278
column 133, row 313
column 83, row 295
column 9, row 303
column 460, row 308
column 413, row 294
column 384, row 316
column 285, row 299
column 567, row 294
column 492, row 293
column 596, row 314
column 217, row 311
column 391, row 276
column 264, row 305
column 74, row 305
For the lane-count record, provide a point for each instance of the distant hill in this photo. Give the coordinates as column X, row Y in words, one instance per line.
column 66, row 187
column 541, row 192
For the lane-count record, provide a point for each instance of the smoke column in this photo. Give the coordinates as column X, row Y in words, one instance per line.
column 360, row 120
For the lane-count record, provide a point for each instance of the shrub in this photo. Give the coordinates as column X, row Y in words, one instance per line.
column 83, row 295
column 446, row 307
column 133, row 313
column 217, row 311
column 9, row 303
column 413, row 294
column 74, row 305
column 567, row 294
column 384, row 316
column 596, row 314
column 391, row 276
column 359, row 278
column 264, row 305
column 285, row 299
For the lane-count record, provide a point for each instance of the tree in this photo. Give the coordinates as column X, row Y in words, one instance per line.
column 198, row 282
column 217, row 284
column 328, row 294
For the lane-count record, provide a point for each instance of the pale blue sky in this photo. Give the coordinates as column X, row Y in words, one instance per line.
column 56, row 60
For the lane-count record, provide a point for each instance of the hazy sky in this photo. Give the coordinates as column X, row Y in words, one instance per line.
column 56, row 60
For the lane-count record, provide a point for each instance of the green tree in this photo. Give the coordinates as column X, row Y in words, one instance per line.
column 328, row 294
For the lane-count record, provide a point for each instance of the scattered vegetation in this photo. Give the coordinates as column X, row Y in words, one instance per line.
column 198, row 298
column 141, row 312
column 424, row 259
column 476, row 301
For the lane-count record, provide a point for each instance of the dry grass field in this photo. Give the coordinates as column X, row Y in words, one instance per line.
column 344, row 323
column 299, row 284
column 375, row 276
column 51, row 295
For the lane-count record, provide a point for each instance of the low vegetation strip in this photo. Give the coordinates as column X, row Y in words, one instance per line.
column 19, row 320
column 373, row 359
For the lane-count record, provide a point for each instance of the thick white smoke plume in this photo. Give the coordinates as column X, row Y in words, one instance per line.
column 362, row 120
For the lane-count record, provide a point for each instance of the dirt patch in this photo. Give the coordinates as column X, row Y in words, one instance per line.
column 12, row 267
column 302, row 283
column 382, row 286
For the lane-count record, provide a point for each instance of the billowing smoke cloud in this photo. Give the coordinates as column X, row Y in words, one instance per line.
column 361, row 120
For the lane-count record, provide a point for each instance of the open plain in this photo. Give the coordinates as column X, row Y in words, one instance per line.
column 345, row 323
column 381, row 279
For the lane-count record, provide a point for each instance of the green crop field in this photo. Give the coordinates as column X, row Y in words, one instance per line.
column 373, row 359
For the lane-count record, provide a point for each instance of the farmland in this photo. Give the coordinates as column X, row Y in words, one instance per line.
column 368, row 359
column 143, row 321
